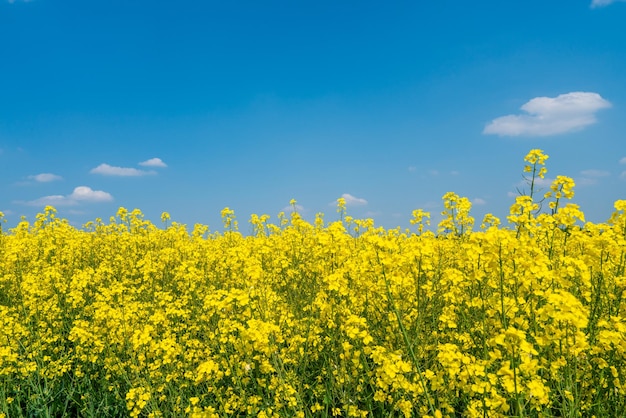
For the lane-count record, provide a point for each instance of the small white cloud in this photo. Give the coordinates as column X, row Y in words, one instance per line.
column 431, row 204
column 523, row 187
column 550, row 115
column 595, row 173
column 84, row 193
column 80, row 194
column 586, row 181
column 433, row 172
column 539, row 182
column 454, row 173
column 591, row 176
column 622, row 160
column 23, row 1
column 109, row 170
column 479, row 202
column 352, row 200
column 291, row 208
column 412, row 169
column 603, row 3
column 53, row 200
column 153, row 162
column 623, row 175
column 45, row 177
column 544, row 182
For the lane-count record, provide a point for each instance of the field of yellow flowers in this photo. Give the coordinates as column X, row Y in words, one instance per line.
column 320, row 319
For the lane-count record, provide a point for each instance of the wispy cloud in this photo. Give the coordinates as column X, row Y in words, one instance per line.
column 522, row 187
column 623, row 160
column 595, row 173
column 45, row 177
column 53, row 200
column 550, row 115
column 478, row 201
column 602, row 3
column 591, row 176
column 352, row 200
column 79, row 195
column 293, row 208
column 539, row 182
column 431, row 204
column 153, row 162
column 19, row 1
column 109, row 170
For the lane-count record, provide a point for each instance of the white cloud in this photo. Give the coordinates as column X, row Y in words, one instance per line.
column 623, row 175
column 109, row 170
column 595, row 173
column 54, row 200
column 431, row 204
column 84, row 193
column 352, row 200
column 45, row 177
column 523, row 187
column 23, row 1
column 479, row 202
column 80, row 194
column 623, row 160
column 290, row 208
column 153, row 162
column 586, row 181
column 412, row 169
column 539, row 182
column 591, row 176
column 550, row 115
column 602, row 3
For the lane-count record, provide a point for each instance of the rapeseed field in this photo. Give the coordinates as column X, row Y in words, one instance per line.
column 517, row 317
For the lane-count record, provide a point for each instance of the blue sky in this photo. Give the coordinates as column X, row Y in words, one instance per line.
column 192, row 106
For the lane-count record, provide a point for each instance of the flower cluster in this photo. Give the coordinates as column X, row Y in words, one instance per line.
column 347, row 319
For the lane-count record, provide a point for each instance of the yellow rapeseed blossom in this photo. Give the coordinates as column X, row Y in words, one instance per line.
column 333, row 318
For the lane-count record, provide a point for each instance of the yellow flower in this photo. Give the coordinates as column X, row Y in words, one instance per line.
column 322, row 317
